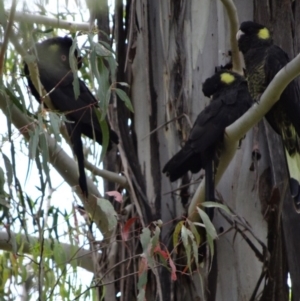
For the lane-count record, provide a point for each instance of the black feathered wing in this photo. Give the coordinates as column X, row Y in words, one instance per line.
column 207, row 132
column 80, row 111
column 189, row 157
column 284, row 117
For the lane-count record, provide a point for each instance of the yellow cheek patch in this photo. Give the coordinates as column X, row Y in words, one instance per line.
column 227, row 78
column 264, row 34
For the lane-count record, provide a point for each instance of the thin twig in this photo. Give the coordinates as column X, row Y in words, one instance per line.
column 164, row 124
column 257, row 253
column 183, row 186
column 107, row 175
column 257, row 286
column 242, row 222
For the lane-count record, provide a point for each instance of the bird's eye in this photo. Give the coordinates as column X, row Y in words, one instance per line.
column 63, row 57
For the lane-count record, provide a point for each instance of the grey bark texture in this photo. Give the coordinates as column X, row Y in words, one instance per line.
column 178, row 45
column 165, row 51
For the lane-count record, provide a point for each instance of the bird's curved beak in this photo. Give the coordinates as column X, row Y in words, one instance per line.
column 239, row 34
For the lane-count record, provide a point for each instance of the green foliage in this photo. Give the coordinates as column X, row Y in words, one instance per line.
column 153, row 255
column 123, row 96
column 32, row 217
column 110, row 212
column 188, row 235
column 73, row 64
column 27, row 213
column 105, row 134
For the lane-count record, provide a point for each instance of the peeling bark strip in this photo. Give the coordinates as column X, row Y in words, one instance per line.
column 154, row 143
column 127, row 132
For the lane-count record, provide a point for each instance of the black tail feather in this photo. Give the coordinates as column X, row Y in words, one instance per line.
column 74, row 132
column 181, row 163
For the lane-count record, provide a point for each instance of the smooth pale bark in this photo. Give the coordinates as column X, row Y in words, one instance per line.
column 178, row 47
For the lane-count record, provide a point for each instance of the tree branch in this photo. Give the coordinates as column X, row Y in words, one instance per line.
column 239, row 128
column 83, row 257
column 237, row 60
column 107, row 175
column 68, row 168
column 57, row 23
column 64, row 165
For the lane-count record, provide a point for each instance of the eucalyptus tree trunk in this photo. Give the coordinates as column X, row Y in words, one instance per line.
column 165, row 50
column 283, row 18
column 173, row 46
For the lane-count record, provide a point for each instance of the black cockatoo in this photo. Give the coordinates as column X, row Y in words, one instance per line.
column 263, row 60
column 57, row 78
column 230, row 99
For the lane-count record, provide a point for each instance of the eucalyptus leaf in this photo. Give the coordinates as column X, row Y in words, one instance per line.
column 2, row 182
column 186, row 244
column 55, row 123
column 45, row 156
column 101, row 50
column 59, row 253
column 112, row 64
column 123, row 96
column 216, row 205
column 194, row 245
column 176, row 233
column 33, row 142
column 195, row 232
column 41, row 175
column 105, row 134
column 155, row 238
column 107, row 208
column 15, row 100
column 210, row 229
column 9, row 169
column 104, row 86
column 107, row 46
column 145, row 238
column 211, row 246
column 101, row 73
column 74, row 67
